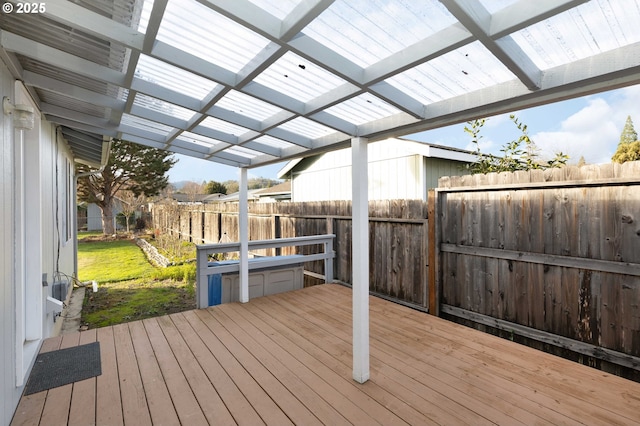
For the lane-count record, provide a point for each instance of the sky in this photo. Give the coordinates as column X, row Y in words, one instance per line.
column 589, row 126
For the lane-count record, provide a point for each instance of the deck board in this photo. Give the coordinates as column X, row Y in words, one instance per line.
column 286, row 359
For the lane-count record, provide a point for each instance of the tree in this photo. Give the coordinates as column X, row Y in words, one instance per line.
column 232, row 186
column 253, row 183
column 627, row 152
column 213, row 187
column 192, row 189
column 629, row 145
column 130, row 203
column 131, row 167
column 519, row 154
column 628, row 134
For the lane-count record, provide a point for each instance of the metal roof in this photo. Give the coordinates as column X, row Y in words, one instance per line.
column 252, row 82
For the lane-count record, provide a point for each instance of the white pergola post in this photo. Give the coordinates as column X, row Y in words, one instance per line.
column 360, row 255
column 243, row 232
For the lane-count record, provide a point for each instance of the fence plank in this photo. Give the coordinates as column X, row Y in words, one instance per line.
column 554, row 250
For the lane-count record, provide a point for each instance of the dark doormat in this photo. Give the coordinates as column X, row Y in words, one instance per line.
column 64, row 366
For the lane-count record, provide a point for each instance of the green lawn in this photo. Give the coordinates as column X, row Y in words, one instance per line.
column 111, row 261
column 129, row 287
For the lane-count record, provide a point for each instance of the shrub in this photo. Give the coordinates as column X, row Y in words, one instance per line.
column 185, row 272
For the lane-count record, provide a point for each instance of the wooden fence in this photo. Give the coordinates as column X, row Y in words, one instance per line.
column 547, row 258
column 397, row 230
column 551, row 257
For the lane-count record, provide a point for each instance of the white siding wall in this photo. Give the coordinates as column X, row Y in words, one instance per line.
column 34, row 238
column 9, row 394
column 394, row 172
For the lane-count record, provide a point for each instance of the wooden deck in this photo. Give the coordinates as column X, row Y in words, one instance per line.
column 287, row 359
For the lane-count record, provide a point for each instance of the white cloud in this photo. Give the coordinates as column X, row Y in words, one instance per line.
column 593, row 131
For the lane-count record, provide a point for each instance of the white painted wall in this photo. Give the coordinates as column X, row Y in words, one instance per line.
column 36, row 170
column 9, row 394
column 394, row 172
column 398, row 169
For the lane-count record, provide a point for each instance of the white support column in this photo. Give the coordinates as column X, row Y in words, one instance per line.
column 243, row 232
column 360, row 254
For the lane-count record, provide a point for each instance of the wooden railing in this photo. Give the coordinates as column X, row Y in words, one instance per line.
column 204, row 268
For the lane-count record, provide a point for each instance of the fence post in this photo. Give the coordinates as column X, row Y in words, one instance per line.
column 277, row 232
column 434, row 294
column 328, row 261
column 202, row 287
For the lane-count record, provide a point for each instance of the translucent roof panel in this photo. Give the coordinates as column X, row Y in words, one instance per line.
column 307, row 128
column 243, row 152
column 589, row 29
column 146, row 125
column 362, row 109
column 466, row 69
column 163, row 107
column 224, row 126
column 268, row 81
column 202, row 32
column 147, row 6
column 280, row 9
column 248, row 106
column 173, row 78
column 366, row 31
column 201, row 140
column 298, row 78
column 274, row 142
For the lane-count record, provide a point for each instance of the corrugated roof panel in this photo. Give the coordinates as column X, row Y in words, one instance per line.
column 298, row 78
column 224, row 126
column 201, row 140
column 126, row 12
column 202, row 32
column 469, row 68
column 174, row 78
column 69, row 77
column 274, row 142
column 53, row 34
column 589, row 29
column 248, row 106
column 163, row 107
column 366, row 31
column 147, row 6
column 243, row 152
column 265, row 87
column 307, row 128
column 363, row 109
column 73, row 104
column 144, row 124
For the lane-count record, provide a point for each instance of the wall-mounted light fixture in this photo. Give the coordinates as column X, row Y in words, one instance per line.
column 23, row 116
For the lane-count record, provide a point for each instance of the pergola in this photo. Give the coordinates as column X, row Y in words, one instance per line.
column 252, row 82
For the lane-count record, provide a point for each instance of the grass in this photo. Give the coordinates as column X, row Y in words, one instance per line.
column 130, row 288
column 133, row 300
column 111, row 261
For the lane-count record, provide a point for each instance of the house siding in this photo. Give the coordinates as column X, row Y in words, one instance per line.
column 9, row 394
column 398, row 169
column 394, row 172
column 35, row 194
